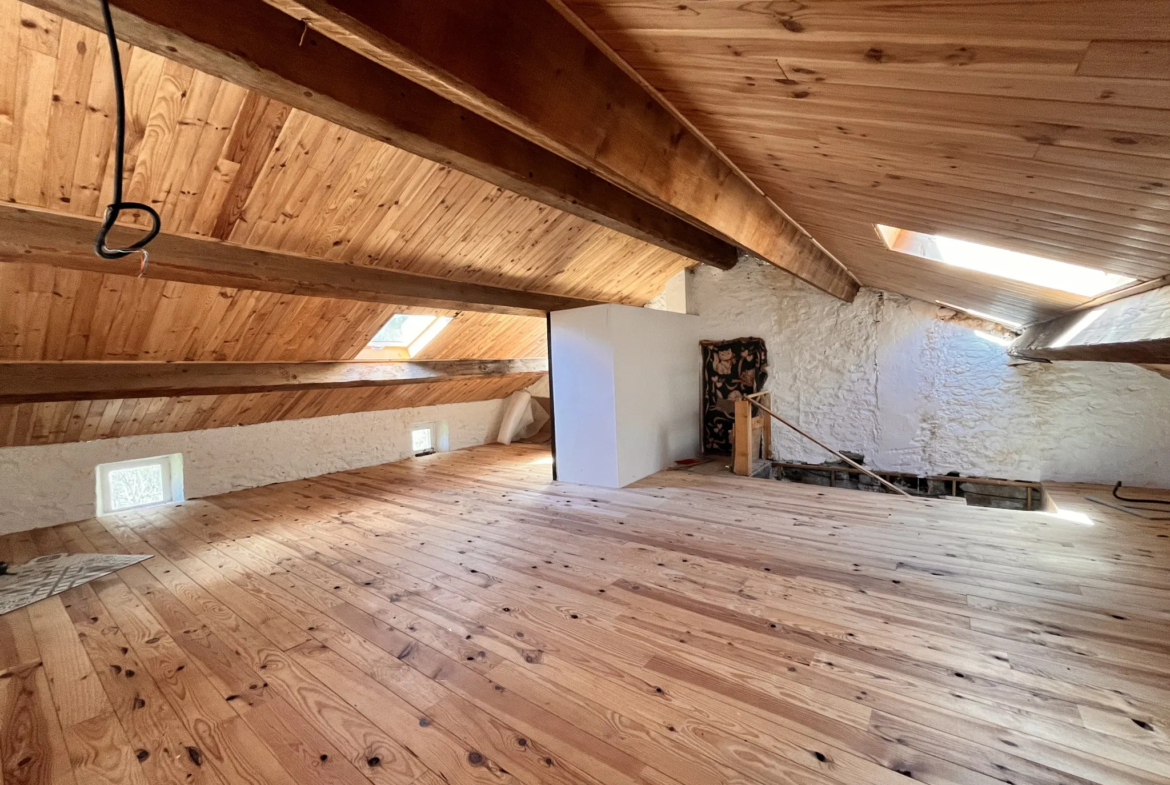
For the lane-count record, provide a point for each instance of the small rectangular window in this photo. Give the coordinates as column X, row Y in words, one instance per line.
column 422, row 439
column 146, row 482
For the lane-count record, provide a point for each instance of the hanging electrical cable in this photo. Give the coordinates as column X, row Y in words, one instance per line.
column 116, row 206
column 1137, row 499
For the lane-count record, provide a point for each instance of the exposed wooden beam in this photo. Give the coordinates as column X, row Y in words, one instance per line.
column 263, row 49
column 1135, row 329
column 40, row 237
column 524, row 65
column 39, row 382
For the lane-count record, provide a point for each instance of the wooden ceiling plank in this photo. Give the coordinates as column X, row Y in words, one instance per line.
column 935, row 103
column 148, row 154
column 1015, row 228
column 208, row 262
column 1127, row 59
column 782, row 68
column 1019, row 20
column 35, row 71
column 555, row 87
column 257, row 126
column 311, row 72
column 41, row 382
column 315, row 237
column 66, row 286
column 1148, row 214
column 1055, row 181
column 199, row 177
column 1144, row 232
column 668, row 49
column 1035, row 127
column 173, row 179
column 75, row 63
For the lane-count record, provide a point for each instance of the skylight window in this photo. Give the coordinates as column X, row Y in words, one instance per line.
column 404, row 336
column 1023, row 267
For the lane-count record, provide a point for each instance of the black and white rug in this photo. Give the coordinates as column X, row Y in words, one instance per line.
column 45, row 576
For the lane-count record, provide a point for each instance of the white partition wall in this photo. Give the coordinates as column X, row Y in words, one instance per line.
column 626, row 392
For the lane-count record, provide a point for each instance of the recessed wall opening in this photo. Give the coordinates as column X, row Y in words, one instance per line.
column 428, row 438
column 1026, row 268
column 975, row 491
column 139, row 484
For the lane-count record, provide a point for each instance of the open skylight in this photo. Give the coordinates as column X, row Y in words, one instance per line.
column 1036, row 270
column 404, row 335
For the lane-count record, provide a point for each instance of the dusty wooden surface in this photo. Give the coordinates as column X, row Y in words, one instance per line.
column 460, row 619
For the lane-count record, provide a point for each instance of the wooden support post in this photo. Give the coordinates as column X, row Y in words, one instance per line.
column 742, row 437
column 766, row 429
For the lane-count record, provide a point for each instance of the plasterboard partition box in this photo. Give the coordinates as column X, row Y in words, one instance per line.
column 626, row 392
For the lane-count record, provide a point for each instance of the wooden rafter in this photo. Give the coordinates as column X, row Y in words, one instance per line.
column 1131, row 330
column 525, row 66
column 258, row 47
column 66, row 241
column 39, row 382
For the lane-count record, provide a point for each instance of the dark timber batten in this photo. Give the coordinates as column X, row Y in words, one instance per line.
column 35, row 382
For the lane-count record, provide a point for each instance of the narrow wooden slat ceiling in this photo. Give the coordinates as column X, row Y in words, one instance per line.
column 1042, row 126
column 1035, row 125
column 218, row 161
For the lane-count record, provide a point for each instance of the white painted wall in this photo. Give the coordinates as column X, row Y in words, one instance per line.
column 625, row 391
column 658, row 387
column 52, row 484
column 674, row 295
column 886, row 378
column 584, row 397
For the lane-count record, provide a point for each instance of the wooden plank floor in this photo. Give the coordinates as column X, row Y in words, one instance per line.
column 458, row 619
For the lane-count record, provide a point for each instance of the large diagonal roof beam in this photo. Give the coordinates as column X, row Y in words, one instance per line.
column 524, row 65
column 257, row 46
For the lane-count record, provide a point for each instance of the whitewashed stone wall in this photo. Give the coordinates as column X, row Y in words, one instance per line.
column 51, row 484
column 886, row 378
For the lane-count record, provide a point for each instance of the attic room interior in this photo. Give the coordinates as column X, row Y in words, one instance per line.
column 585, row 391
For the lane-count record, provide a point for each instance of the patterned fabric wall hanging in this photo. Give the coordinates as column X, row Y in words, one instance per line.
column 731, row 370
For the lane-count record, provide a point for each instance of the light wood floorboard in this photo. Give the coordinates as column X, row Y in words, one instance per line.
column 461, row 619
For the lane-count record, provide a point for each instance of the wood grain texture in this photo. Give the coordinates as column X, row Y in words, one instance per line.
column 65, row 242
column 354, row 200
column 35, row 382
column 1038, row 127
column 55, row 423
column 305, row 70
column 463, row 620
column 521, row 64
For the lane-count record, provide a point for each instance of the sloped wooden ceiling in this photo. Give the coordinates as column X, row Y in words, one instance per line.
column 219, row 161
column 1042, row 126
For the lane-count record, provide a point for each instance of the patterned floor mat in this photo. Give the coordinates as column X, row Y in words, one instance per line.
column 45, row 576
